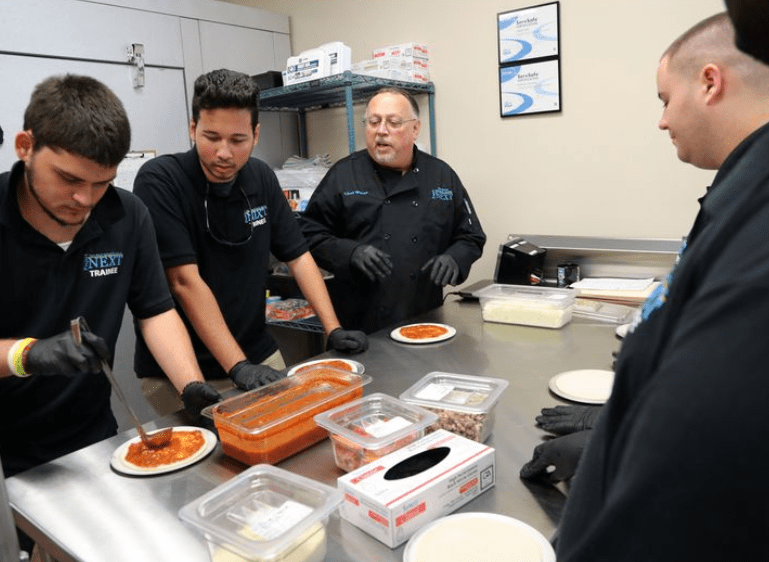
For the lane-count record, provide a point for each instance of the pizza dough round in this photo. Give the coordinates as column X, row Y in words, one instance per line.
column 478, row 537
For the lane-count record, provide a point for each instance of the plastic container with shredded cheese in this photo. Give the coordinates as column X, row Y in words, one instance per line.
column 273, row 422
column 544, row 307
column 264, row 514
column 372, row 427
column 465, row 404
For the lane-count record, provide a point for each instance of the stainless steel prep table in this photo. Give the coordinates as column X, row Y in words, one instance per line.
column 77, row 508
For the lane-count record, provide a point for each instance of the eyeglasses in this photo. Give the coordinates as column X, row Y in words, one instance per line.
column 222, row 240
column 390, row 124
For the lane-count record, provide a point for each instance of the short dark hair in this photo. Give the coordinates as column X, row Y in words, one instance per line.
column 226, row 89
column 80, row 115
column 400, row 92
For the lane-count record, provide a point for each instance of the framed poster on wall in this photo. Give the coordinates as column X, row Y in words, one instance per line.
column 528, row 41
column 530, row 88
column 528, row 33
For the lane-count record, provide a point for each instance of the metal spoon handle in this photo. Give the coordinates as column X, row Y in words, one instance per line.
column 78, row 325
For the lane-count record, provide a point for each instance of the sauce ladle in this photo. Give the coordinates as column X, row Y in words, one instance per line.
column 154, row 440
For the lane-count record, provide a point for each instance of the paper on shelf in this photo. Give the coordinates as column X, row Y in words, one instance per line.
column 613, row 284
column 630, row 292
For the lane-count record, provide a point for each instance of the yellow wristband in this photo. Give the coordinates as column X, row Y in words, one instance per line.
column 16, row 355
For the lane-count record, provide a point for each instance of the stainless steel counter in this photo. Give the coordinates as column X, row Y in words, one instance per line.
column 78, row 508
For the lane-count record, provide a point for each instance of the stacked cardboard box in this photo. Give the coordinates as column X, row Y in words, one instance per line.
column 408, row 62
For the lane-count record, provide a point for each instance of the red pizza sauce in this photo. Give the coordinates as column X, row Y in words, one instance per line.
column 423, row 331
column 182, row 446
column 335, row 363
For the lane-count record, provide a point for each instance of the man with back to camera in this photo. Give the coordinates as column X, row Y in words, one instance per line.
column 393, row 223
column 219, row 213
column 73, row 245
column 750, row 19
column 673, row 468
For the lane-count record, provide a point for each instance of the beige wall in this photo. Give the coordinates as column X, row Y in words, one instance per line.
column 598, row 168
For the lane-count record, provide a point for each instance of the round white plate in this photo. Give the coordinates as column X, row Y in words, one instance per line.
column 396, row 333
column 622, row 329
column 119, row 463
column 357, row 367
column 590, row 386
column 477, row 537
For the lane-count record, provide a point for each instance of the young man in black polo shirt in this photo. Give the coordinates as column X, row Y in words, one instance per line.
column 219, row 213
column 73, row 245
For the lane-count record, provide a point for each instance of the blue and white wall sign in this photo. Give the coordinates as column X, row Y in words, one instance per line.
column 529, row 88
column 529, row 33
column 529, row 60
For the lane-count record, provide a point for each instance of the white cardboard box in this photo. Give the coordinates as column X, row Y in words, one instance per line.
column 309, row 65
column 402, row 50
column 391, row 510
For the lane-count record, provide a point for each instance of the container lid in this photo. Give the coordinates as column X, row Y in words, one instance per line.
column 376, row 420
column 535, row 297
column 262, row 512
column 463, row 393
column 270, row 406
column 602, row 311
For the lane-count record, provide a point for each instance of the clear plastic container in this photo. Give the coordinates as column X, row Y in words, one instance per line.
column 372, row 427
column 271, row 423
column 545, row 307
column 602, row 311
column 264, row 514
column 465, row 404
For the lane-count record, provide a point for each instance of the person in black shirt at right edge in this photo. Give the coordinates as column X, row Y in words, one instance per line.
column 571, row 423
column 751, row 26
column 672, row 470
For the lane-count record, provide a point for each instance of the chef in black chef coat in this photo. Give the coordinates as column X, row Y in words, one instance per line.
column 394, row 224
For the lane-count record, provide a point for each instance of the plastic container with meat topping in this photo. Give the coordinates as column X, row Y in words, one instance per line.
column 465, row 404
column 372, row 427
column 273, row 422
column 264, row 514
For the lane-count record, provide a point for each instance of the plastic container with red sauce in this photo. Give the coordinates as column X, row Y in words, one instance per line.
column 273, row 422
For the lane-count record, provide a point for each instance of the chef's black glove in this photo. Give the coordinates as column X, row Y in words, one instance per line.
column 568, row 419
column 562, row 452
column 373, row 262
column 248, row 376
column 197, row 396
column 445, row 270
column 60, row 355
column 351, row 341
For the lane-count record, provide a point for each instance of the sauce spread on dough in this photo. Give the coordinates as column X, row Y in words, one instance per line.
column 182, row 446
column 423, row 331
column 335, row 363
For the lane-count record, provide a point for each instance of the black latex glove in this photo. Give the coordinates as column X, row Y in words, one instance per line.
column 373, row 262
column 351, row 341
column 568, row 419
column 60, row 355
column 445, row 270
column 197, row 396
column 563, row 453
column 248, row 376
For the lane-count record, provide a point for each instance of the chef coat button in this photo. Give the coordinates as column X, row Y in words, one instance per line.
column 414, row 239
column 415, row 203
column 387, row 236
column 386, row 201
